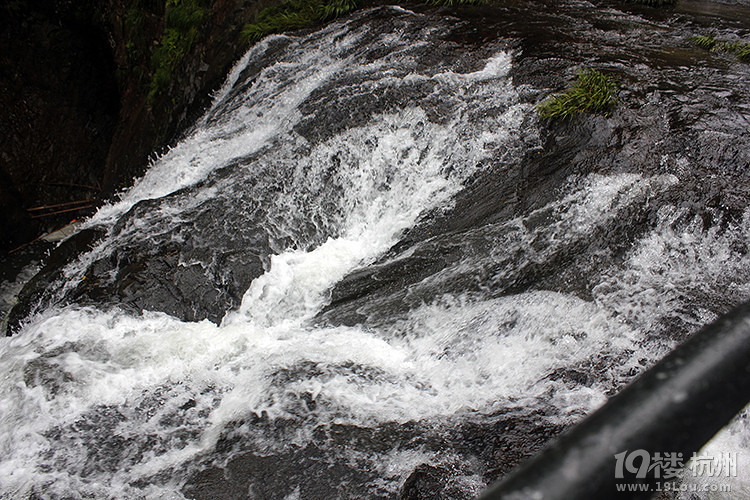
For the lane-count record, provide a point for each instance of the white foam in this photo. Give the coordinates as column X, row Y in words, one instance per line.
column 395, row 168
column 84, row 368
column 496, row 67
column 115, row 360
column 459, row 355
column 94, row 401
column 674, row 264
column 267, row 110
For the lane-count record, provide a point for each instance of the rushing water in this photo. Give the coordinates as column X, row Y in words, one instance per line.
column 472, row 347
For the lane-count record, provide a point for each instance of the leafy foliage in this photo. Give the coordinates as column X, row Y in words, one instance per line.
column 656, row 3
column 739, row 49
column 707, row 42
column 182, row 20
column 295, row 14
column 594, row 92
column 335, row 8
column 454, row 3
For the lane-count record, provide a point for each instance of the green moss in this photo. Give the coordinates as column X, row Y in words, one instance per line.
column 137, row 44
column 454, row 3
column 182, row 21
column 295, row 14
column 285, row 21
column 656, row 3
column 739, row 49
column 593, row 92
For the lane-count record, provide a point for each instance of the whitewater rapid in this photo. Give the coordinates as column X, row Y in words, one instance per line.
column 107, row 403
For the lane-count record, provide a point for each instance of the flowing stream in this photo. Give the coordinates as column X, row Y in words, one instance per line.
column 279, row 309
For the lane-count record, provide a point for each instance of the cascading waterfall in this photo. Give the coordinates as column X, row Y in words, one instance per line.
column 323, row 150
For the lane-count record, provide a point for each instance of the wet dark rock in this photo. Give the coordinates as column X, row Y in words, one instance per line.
column 47, row 374
column 341, row 105
column 679, row 114
column 505, row 440
column 425, row 482
column 279, row 475
column 74, row 104
column 430, row 260
column 489, row 445
column 191, row 271
column 37, row 291
column 194, row 270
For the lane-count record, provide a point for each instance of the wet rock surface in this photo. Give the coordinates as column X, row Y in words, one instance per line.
column 35, row 292
column 681, row 111
column 199, row 264
column 194, row 271
column 493, row 444
column 561, row 218
column 74, row 100
column 681, row 119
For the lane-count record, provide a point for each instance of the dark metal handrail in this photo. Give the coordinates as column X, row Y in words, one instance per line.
column 675, row 407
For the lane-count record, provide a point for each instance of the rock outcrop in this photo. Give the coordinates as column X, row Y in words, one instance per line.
column 77, row 107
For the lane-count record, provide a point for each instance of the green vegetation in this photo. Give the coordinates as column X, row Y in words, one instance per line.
column 656, row 3
column 137, row 43
column 295, row 14
column 183, row 19
column 335, row 8
column 594, row 92
column 707, row 42
column 739, row 49
column 15, row 6
column 454, row 3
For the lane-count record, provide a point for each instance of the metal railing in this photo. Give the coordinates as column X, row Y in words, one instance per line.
column 670, row 411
